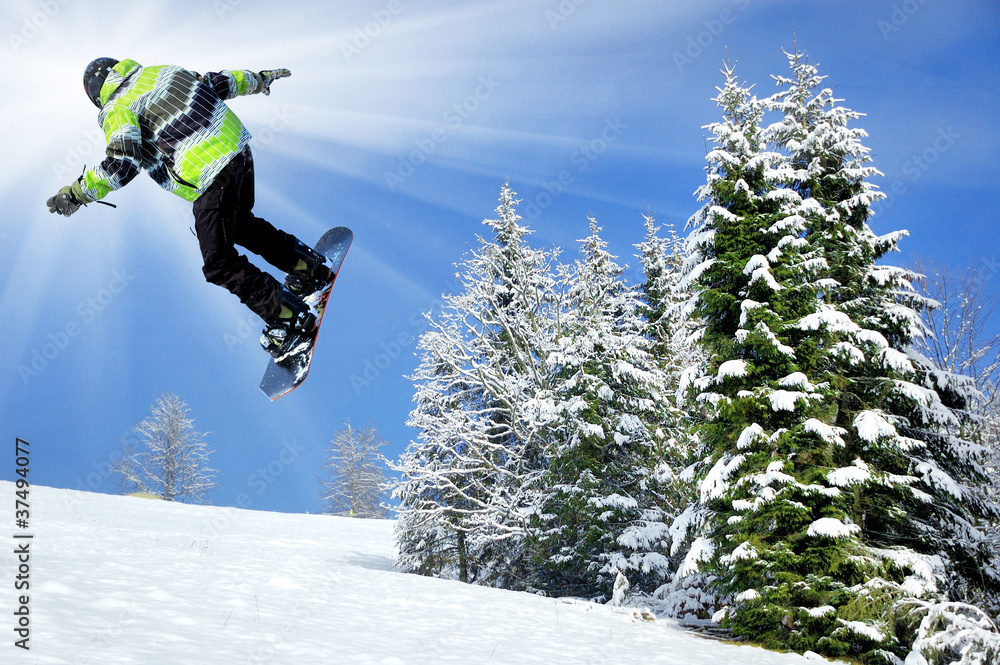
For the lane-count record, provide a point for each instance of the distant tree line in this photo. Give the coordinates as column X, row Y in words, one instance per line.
column 164, row 456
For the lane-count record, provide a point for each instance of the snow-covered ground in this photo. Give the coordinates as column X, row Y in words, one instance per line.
column 130, row 580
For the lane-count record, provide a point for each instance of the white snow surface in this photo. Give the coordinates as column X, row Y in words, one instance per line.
column 765, row 274
column 784, row 400
column 832, row 319
column 756, row 262
column 831, row 527
column 828, row 433
column 732, row 368
column 749, row 435
column 716, row 480
column 796, row 380
column 864, row 629
column 872, row 426
column 702, row 549
column 128, row 580
column 857, row 474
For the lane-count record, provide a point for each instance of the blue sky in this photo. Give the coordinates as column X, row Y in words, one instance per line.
column 401, row 120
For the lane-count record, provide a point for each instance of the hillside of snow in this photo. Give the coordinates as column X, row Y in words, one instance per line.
column 131, row 580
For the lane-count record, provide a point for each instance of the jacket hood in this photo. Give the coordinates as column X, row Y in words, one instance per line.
column 119, row 73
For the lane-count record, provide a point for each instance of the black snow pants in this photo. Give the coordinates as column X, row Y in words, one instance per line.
column 223, row 218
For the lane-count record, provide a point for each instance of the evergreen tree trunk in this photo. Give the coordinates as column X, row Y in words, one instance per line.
column 463, row 558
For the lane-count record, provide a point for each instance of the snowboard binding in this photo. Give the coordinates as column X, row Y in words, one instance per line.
column 311, row 272
column 295, row 323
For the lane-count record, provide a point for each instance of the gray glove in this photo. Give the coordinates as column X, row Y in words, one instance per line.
column 268, row 76
column 68, row 200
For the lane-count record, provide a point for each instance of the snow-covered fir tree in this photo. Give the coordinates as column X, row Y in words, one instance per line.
column 835, row 496
column 925, row 449
column 467, row 482
column 767, row 528
column 827, row 489
column 661, row 260
column 663, row 306
column 674, row 333
column 439, row 492
column 601, row 509
column 964, row 349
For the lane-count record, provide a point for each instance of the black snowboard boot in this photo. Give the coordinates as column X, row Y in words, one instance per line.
column 310, row 273
column 294, row 321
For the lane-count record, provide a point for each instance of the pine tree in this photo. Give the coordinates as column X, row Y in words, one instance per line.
column 921, row 493
column 775, row 534
column 478, row 457
column 603, row 508
column 831, row 482
column 439, row 492
column 963, row 345
column 661, row 260
column 663, row 306
column 961, row 356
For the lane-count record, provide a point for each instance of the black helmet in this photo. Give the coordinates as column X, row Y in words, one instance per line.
column 94, row 76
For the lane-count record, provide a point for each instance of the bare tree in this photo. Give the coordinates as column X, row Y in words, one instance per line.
column 965, row 336
column 166, row 456
column 965, row 341
column 357, row 483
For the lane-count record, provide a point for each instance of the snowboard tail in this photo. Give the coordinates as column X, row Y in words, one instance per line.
column 284, row 375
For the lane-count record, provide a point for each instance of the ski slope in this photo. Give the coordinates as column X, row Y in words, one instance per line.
column 131, row 580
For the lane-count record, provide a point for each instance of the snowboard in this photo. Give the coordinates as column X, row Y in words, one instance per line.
column 283, row 376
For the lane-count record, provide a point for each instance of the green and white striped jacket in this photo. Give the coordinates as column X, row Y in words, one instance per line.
column 171, row 122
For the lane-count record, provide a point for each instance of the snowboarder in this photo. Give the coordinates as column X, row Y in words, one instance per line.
column 175, row 125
